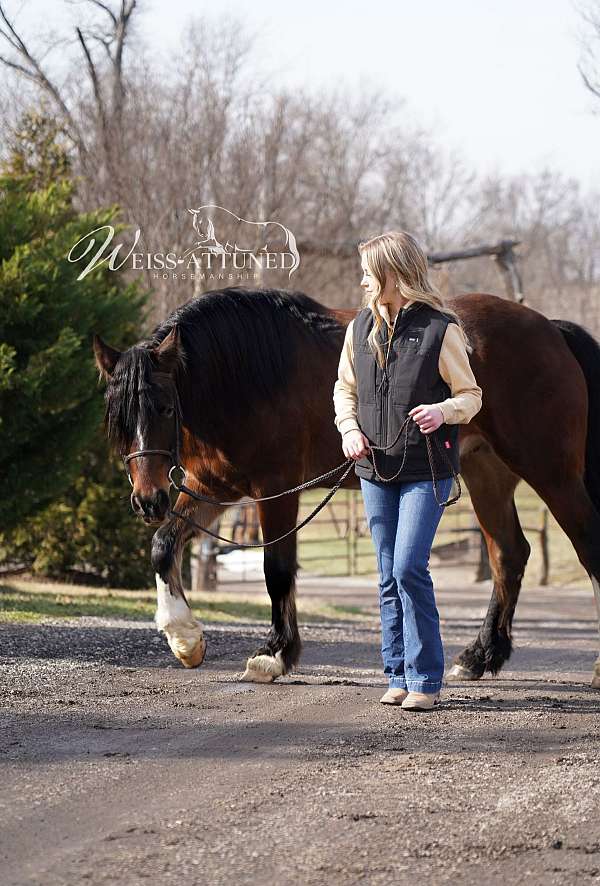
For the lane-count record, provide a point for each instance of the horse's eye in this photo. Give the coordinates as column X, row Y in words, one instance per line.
column 168, row 412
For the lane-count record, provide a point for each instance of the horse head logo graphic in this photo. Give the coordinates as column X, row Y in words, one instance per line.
column 212, row 224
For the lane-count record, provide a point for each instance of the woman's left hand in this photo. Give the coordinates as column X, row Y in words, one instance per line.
column 427, row 417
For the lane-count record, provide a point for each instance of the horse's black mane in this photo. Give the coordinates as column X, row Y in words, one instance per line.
column 240, row 347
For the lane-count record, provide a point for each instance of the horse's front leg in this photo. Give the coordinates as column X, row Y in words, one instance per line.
column 281, row 649
column 173, row 616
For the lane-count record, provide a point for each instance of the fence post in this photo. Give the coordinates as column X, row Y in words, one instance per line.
column 203, row 563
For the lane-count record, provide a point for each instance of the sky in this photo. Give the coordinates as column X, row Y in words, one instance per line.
column 495, row 81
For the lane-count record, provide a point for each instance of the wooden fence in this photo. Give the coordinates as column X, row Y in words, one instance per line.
column 338, row 543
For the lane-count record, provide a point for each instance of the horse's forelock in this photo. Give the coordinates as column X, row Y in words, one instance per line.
column 129, row 395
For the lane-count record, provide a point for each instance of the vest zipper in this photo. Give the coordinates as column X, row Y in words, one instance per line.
column 384, row 404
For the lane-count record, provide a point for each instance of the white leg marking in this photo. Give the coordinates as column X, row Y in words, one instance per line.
column 263, row 668
column 184, row 633
column 596, row 675
column 457, row 672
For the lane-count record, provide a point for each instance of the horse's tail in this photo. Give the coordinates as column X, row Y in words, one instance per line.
column 586, row 351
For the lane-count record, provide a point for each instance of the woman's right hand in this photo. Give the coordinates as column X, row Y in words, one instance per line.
column 355, row 445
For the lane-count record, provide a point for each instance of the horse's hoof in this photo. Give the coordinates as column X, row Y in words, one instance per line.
column 263, row 669
column 251, row 676
column 195, row 658
column 458, row 672
column 190, row 654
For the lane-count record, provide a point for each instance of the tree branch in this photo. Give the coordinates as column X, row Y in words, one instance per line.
column 34, row 72
column 593, row 88
column 121, row 35
column 94, row 78
column 105, row 9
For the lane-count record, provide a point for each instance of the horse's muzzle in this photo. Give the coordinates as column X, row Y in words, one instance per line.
column 152, row 509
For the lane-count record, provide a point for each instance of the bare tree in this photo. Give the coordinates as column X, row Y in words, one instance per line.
column 105, row 77
column 589, row 64
column 333, row 165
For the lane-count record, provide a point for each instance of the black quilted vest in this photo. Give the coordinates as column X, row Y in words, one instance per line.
column 412, row 378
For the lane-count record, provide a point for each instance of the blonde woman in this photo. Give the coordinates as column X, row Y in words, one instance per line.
column 404, row 354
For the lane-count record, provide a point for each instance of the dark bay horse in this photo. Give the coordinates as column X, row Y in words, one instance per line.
column 244, row 378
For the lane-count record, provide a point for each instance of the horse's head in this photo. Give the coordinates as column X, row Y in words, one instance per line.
column 143, row 414
column 197, row 223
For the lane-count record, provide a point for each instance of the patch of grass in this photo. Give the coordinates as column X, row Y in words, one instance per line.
column 16, row 605
column 20, row 603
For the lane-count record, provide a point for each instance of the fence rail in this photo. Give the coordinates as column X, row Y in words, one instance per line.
column 338, row 542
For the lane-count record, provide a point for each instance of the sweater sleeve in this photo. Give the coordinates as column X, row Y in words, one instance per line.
column 455, row 369
column 345, row 396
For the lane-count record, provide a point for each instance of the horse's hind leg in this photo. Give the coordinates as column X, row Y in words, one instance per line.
column 491, row 486
column 173, row 616
column 281, row 650
column 568, row 499
column 595, row 684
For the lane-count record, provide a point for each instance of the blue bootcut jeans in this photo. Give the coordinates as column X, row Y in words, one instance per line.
column 403, row 518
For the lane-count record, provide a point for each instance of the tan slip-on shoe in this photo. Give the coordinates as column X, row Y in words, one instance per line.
column 420, row 701
column 394, row 696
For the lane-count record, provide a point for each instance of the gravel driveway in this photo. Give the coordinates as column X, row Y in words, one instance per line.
column 118, row 766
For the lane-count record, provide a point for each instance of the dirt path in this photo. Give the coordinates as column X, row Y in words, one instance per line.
column 118, row 766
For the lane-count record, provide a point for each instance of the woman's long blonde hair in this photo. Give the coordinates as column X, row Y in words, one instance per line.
column 398, row 253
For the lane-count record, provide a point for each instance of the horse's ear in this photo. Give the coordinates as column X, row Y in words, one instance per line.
column 169, row 353
column 106, row 357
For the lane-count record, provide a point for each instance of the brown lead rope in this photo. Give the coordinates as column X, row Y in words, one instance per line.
column 182, row 488
column 404, row 427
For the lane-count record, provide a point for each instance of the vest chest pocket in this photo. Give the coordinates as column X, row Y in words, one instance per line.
column 411, row 373
column 411, row 347
column 410, row 365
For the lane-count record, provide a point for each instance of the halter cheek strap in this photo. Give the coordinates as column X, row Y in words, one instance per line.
column 172, row 454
